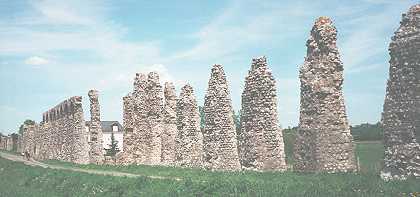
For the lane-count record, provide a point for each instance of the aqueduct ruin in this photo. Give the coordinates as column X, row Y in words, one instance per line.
column 161, row 128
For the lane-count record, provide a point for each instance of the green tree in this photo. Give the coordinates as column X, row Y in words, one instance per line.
column 113, row 147
column 202, row 120
column 237, row 121
column 26, row 122
column 367, row 132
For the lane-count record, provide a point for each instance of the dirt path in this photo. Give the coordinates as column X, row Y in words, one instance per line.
column 32, row 162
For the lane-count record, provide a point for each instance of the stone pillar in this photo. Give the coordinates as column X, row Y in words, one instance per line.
column 261, row 146
column 190, row 138
column 323, row 141
column 28, row 138
column 170, row 129
column 219, row 137
column 126, row 155
column 141, row 130
column 401, row 112
column 80, row 150
column 155, row 117
column 96, row 137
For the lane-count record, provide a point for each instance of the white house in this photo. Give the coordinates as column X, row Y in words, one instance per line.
column 109, row 128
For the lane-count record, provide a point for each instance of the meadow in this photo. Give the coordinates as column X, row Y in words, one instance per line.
column 18, row 179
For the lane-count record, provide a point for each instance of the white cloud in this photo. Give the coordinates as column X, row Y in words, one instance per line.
column 234, row 29
column 369, row 35
column 36, row 61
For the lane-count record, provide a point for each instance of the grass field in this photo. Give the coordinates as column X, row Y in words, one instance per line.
column 17, row 179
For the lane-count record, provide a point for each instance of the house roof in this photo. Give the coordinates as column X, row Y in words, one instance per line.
column 107, row 126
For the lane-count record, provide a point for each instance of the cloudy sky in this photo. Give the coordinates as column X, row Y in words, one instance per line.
column 51, row 50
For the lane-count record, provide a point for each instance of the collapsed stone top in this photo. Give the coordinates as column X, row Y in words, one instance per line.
column 323, row 20
column 258, row 62
column 187, row 88
column 324, row 31
column 217, row 67
column 93, row 93
column 140, row 77
column 323, row 38
column 217, row 74
column 169, row 86
column 415, row 9
column 169, row 90
column 409, row 26
column 153, row 77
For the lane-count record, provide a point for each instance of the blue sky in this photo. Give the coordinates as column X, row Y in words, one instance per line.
column 51, row 50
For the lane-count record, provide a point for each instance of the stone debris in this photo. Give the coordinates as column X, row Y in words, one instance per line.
column 401, row 112
column 219, row 137
column 170, row 128
column 261, row 144
column 323, row 141
column 61, row 135
column 96, row 152
column 189, row 150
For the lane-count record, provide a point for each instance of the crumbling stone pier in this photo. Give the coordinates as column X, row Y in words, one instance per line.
column 154, row 106
column 189, row 151
column 401, row 112
column 126, row 156
column 323, row 141
column 220, row 141
column 170, row 129
column 261, row 146
column 143, row 122
column 96, row 152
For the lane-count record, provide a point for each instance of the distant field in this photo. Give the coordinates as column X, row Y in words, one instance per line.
column 21, row 180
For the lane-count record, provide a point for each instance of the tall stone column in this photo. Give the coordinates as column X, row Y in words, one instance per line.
column 190, row 138
column 141, row 131
column 126, row 155
column 155, row 117
column 219, row 137
column 170, row 129
column 261, row 146
column 96, row 152
column 401, row 112
column 323, row 141
column 79, row 152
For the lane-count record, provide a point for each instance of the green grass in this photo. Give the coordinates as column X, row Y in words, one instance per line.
column 370, row 156
column 17, row 179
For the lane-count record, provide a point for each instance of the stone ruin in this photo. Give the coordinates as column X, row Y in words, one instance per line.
column 143, row 122
column 189, row 148
column 170, row 128
column 3, row 142
column 12, row 142
column 261, row 144
column 127, row 155
column 323, row 141
column 96, row 153
column 161, row 129
column 219, row 137
column 154, row 118
column 141, row 134
column 61, row 135
column 401, row 112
